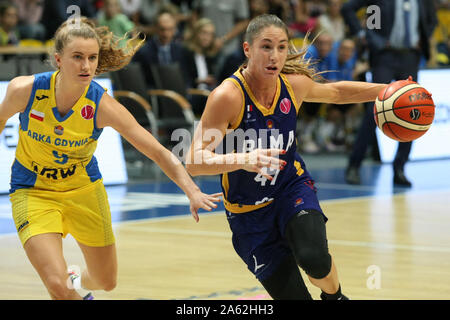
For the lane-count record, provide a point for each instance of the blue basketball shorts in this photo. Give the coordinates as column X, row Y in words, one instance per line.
column 258, row 236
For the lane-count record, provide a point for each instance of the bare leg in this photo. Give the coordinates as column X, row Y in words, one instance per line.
column 46, row 255
column 101, row 272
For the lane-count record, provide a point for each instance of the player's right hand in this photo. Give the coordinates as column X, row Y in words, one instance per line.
column 258, row 159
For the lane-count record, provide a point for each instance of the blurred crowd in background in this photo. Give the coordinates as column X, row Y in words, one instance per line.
column 205, row 38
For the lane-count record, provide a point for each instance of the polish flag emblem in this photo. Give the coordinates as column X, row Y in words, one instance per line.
column 37, row 115
column 285, row 105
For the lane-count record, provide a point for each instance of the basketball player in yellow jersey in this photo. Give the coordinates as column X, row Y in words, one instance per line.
column 56, row 187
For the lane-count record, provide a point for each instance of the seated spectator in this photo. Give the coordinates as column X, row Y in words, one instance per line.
column 230, row 18
column 332, row 21
column 340, row 118
column 320, row 54
column 112, row 17
column 304, row 21
column 161, row 48
column 199, row 55
column 198, row 61
column 148, row 12
column 30, row 15
column 343, row 60
column 9, row 35
column 131, row 8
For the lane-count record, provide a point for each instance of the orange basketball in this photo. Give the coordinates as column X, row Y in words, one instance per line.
column 404, row 110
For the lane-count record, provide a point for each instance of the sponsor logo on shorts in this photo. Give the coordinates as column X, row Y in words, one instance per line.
column 22, row 226
column 302, row 213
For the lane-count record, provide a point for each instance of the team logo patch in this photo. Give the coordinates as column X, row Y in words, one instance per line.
column 87, row 112
column 285, row 105
column 269, row 124
column 298, row 202
column 59, row 130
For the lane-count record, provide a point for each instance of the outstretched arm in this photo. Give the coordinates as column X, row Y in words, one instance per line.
column 112, row 113
column 341, row 92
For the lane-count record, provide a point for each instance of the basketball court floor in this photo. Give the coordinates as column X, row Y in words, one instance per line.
column 387, row 243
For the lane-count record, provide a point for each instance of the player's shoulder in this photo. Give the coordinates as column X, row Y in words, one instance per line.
column 226, row 94
column 227, row 91
column 298, row 79
column 21, row 84
column 224, row 103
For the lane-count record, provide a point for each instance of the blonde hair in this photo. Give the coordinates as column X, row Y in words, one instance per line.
column 112, row 56
column 296, row 62
column 191, row 38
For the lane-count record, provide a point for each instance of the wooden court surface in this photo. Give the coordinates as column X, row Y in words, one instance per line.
column 385, row 247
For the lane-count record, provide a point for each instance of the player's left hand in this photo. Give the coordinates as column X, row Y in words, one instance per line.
column 205, row 201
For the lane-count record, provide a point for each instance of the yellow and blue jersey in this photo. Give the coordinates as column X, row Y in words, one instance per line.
column 266, row 128
column 56, row 152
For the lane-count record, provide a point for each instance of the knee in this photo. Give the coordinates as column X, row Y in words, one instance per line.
column 110, row 285
column 58, row 288
column 107, row 283
column 316, row 263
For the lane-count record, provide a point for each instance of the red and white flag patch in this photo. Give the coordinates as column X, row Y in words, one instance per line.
column 37, row 115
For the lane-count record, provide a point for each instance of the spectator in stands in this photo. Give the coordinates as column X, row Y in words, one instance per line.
column 199, row 60
column 199, row 55
column 280, row 8
column 9, row 34
column 112, row 17
column 131, row 8
column 230, row 18
column 160, row 48
column 30, row 15
column 395, row 49
column 441, row 35
column 258, row 7
column 332, row 133
column 320, row 54
column 148, row 12
column 304, row 21
column 332, row 21
column 233, row 60
column 56, row 12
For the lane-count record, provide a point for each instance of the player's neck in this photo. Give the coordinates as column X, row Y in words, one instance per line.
column 66, row 93
column 263, row 90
